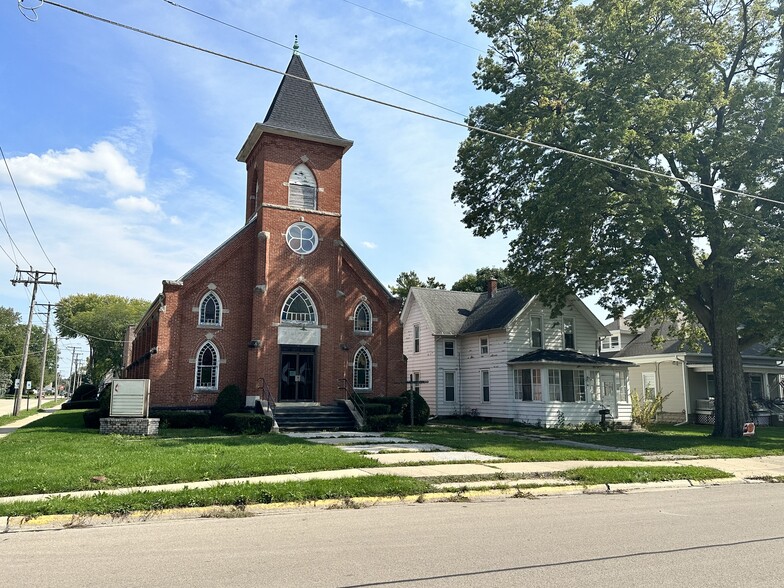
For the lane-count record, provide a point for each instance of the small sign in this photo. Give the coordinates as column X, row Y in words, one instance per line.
column 130, row 398
column 28, row 385
column 749, row 429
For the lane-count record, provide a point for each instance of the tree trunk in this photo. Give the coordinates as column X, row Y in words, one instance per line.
column 732, row 401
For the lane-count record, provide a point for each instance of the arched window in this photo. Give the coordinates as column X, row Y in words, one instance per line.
column 363, row 319
column 207, row 367
column 362, row 369
column 302, row 188
column 299, row 308
column 210, row 310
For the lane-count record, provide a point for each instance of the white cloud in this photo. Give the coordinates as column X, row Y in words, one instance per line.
column 369, row 244
column 103, row 160
column 137, row 204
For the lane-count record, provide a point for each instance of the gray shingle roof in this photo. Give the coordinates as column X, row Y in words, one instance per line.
column 458, row 313
column 297, row 107
column 567, row 356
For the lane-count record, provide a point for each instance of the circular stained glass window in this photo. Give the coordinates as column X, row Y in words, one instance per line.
column 302, row 238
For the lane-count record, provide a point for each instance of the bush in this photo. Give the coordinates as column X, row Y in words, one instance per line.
column 231, row 399
column 644, row 409
column 395, row 403
column 181, row 419
column 247, row 423
column 421, row 409
column 105, row 401
column 92, row 419
column 78, row 404
column 85, row 392
column 384, row 422
column 376, row 408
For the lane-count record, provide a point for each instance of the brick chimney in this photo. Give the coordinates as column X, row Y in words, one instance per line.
column 492, row 286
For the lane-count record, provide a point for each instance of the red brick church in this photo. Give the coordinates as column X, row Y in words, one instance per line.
column 284, row 300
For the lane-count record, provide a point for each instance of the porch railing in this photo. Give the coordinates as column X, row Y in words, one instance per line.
column 350, row 394
column 265, row 396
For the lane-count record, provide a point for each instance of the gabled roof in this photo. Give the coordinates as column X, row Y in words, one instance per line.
column 619, row 324
column 296, row 111
column 496, row 312
column 567, row 356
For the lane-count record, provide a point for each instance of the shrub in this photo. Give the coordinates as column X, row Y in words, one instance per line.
column 395, row 403
column 105, row 401
column 181, row 419
column 92, row 419
column 384, row 422
column 85, row 392
column 421, row 409
column 376, row 408
column 247, row 423
column 644, row 409
column 78, row 404
column 230, row 399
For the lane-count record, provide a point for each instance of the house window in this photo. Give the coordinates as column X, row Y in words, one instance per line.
column 302, row 188
column 573, row 385
column 483, row 346
column 592, row 390
column 362, row 369
column 210, row 310
column 536, row 332
column 416, row 338
column 299, row 308
column 568, row 333
column 621, row 389
column 757, row 390
column 363, row 319
column 485, row 385
column 449, row 348
column 554, row 388
column 449, row 386
column 649, row 385
column 416, row 382
column 207, row 367
column 301, row 238
column 611, row 343
column 710, row 384
column 528, row 384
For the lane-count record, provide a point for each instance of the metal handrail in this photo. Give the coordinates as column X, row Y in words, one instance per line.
column 359, row 402
column 266, row 396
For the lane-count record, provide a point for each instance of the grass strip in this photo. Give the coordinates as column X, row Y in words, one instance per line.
column 507, row 446
column 23, row 414
column 238, row 495
column 641, row 474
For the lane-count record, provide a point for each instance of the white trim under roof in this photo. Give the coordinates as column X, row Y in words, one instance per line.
column 707, row 368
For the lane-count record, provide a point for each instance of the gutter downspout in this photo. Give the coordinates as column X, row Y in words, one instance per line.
column 685, row 392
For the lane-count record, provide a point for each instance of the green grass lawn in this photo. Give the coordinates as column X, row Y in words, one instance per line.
column 506, row 446
column 57, row 454
column 642, row 474
column 5, row 419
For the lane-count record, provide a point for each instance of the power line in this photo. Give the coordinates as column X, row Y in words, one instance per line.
column 86, row 336
column 463, row 125
column 313, row 57
column 29, row 222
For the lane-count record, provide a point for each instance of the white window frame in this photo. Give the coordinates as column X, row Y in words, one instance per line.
column 484, row 379
column 303, row 189
column 537, row 317
column 570, row 322
column 416, row 382
column 416, row 339
column 363, row 307
column 554, row 393
column 302, row 238
column 357, row 370
column 649, row 385
column 447, row 374
column 309, row 317
column 214, row 368
column 210, row 296
column 449, row 345
column 621, row 387
column 484, row 346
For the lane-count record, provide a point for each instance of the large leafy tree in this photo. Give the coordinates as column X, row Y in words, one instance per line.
column 102, row 320
column 407, row 280
column 477, row 281
column 689, row 89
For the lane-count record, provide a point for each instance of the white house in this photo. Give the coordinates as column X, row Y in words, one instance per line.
column 500, row 354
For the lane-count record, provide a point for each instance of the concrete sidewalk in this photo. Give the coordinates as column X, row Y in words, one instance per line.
column 9, row 428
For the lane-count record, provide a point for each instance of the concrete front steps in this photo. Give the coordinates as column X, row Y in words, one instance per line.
column 298, row 416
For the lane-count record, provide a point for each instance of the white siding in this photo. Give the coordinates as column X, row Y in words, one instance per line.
column 424, row 360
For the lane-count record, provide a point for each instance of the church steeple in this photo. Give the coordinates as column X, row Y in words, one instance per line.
column 296, row 111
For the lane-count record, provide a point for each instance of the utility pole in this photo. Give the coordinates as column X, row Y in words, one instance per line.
column 56, row 362
column 72, row 372
column 46, row 348
column 28, row 277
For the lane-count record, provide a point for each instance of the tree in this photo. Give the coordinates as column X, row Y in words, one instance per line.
column 477, row 282
column 102, row 320
column 689, row 90
column 407, row 280
column 12, row 339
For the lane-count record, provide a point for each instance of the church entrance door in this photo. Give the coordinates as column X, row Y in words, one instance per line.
column 297, row 374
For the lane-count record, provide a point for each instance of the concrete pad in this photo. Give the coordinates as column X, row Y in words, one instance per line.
column 331, row 434
column 393, row 458
column 398, row 447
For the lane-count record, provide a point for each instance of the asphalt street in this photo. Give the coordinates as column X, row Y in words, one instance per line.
column 716, row 536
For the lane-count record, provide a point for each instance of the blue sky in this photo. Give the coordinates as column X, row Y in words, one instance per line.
column 123, row 147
